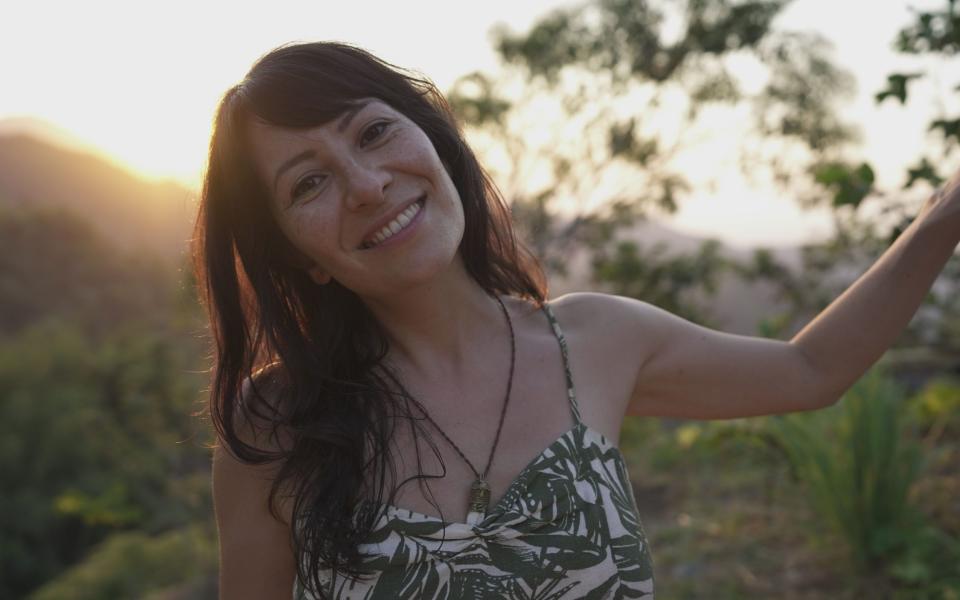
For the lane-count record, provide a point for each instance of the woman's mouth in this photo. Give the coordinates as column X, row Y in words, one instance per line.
column 400, row 224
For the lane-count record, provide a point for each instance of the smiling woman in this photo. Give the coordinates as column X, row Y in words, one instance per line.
column 366, row 290
column 362, row 274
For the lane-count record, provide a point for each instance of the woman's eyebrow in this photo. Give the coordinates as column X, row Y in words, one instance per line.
column 349, row 114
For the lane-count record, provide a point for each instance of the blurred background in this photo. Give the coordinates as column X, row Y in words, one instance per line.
column 739, row 163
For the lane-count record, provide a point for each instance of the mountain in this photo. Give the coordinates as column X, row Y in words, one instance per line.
column 54, row 266
column 44, row 131
column 135, row 214
column 131, row 213
column 737, row 307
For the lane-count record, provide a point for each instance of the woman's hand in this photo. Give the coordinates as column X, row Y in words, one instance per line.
column 942, row 208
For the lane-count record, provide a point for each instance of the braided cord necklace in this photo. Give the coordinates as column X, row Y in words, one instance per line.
column 479, row 489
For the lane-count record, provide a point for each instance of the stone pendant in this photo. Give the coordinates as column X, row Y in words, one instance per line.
column 479, row 501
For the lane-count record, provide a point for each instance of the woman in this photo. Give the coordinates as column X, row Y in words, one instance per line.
column 367, row 293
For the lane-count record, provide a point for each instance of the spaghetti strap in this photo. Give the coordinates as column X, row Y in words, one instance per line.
column 571, row 393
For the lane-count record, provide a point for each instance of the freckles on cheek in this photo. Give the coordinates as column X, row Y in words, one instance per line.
column 292, row 229
column 418, row 151
column 312, row 230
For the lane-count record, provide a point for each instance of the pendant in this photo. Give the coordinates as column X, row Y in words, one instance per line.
column 479, row 500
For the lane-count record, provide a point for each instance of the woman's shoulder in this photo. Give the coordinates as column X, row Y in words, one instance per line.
column 259, row 404
column 600, row 313
column 608, row 331
column 253, row 429
column 607, row 348
column 267, row 381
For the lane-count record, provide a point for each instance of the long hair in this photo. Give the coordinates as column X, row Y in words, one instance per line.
column 298, row 363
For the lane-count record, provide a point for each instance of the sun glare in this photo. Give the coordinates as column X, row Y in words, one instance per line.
column 140, row 82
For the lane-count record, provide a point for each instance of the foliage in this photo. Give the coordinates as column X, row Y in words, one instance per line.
column 849, row 186
column 134, row 564
column 626, row 270
column 582, row 104
column 935, row 33
column 858, row 463
column 625, row 38
column 52, row 263
column 97, row 437
column 868, row 219
column 936, row 409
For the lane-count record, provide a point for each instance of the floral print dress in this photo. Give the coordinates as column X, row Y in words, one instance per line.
column 567, row 527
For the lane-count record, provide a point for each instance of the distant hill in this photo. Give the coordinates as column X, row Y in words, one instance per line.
column 53, row 265
column 44, row 131
column 136, row 214
column 737, row 307
column 132, row 213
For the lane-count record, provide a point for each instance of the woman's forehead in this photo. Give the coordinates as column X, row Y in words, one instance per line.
column 319, row 117
column 263, row 131
column 260, row 128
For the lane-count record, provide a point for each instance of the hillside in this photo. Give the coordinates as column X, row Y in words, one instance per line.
column 136, row 215
column 132, row 213
column 54, row 266
column 737, row 307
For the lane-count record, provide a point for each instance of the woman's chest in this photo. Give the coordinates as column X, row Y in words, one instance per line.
column 456, row 442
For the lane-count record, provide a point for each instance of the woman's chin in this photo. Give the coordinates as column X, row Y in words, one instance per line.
column 432, row 271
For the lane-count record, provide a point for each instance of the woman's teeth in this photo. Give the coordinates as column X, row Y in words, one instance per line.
column 394, row 226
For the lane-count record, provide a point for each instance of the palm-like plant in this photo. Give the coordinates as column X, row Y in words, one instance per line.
column 858, row 465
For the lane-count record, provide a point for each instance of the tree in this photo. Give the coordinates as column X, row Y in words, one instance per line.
column 97, row 439
column 598, row 106
column 847, row 186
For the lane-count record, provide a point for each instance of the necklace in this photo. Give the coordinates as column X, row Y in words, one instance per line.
column 479, row 489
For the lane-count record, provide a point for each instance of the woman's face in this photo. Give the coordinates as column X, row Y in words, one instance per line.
column 365, row 197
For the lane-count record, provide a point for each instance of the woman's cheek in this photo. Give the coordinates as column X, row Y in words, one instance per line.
column 310, row 227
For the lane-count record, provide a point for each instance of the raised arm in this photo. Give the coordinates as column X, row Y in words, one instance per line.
column 684, row 370
column 856, row 329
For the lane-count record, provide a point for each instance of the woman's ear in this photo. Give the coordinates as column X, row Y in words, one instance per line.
column 300, row 261
column 318, row 275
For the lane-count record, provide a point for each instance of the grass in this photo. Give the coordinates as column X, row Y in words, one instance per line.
column 732, row 515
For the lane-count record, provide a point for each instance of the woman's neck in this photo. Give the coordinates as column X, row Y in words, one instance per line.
column 435, row 330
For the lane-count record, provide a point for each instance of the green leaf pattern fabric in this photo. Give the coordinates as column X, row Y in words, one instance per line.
column 567, row 527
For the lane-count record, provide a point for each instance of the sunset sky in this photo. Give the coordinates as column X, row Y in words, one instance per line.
column 138, row 82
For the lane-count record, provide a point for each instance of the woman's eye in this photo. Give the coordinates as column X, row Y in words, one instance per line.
column 373, row 132
column 306, row 186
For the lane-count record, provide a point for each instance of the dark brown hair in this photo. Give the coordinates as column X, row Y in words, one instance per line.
column 300, row 363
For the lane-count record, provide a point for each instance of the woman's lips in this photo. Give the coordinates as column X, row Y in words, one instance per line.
column 405, row 229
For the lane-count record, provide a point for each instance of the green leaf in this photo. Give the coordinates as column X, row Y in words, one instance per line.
column 849, row 185
column 473, row 100
column 831, row 174
column 896, row 87
column 924, row 171
column 865, row 174
column 950, row 128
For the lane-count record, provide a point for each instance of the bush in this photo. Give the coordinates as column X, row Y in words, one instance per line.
column 858, row 463
column 132, row 565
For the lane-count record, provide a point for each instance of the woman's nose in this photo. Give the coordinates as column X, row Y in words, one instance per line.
column 366, row 185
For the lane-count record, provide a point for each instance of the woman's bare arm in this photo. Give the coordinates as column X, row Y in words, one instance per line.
column 256, row 560
column 684, row 370
column 256, row 557
column 859, row 326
